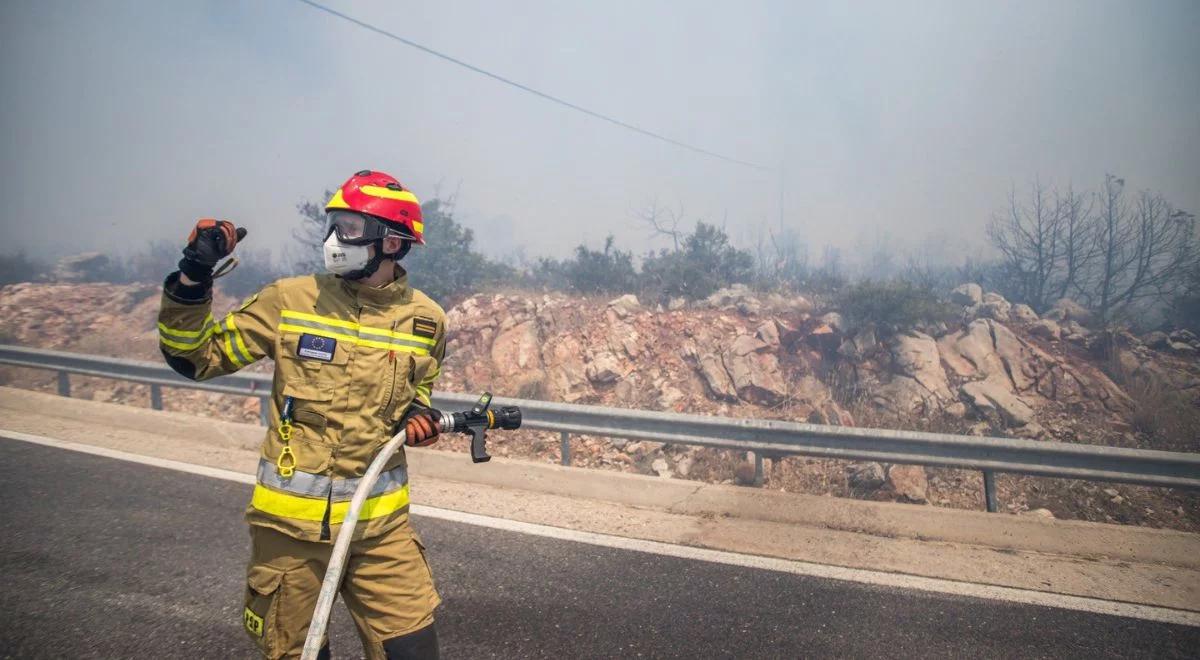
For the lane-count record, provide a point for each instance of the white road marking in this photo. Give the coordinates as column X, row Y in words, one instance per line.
column 863, row 576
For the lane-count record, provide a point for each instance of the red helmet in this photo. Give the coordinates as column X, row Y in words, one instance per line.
column 381, row 195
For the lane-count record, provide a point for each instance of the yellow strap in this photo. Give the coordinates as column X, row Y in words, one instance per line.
column 312, row 509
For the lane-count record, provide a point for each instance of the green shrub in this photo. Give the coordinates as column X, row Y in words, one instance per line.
column 891, row 305
column 590, row 271
column 704, row 263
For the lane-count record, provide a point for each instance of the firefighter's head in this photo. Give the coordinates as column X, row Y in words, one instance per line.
column 370, row 219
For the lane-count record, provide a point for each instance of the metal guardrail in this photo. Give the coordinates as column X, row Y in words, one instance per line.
column 767, row 438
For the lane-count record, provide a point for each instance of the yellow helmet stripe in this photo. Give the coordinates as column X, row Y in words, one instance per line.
column 336, row 202
column 388, row 193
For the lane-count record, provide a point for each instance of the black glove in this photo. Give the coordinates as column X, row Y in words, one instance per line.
column 210, row 241
column 421, row 424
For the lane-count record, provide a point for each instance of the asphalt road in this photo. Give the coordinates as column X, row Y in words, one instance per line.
column 106, row 559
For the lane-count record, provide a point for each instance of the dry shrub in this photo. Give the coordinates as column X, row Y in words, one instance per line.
column 1163, row 413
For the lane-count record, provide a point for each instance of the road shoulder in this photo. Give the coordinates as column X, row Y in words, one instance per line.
column 1138, row 565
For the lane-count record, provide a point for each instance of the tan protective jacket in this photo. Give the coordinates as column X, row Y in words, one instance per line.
column 349, row 358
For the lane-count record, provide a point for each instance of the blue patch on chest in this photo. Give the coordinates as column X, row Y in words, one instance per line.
column 316, row 348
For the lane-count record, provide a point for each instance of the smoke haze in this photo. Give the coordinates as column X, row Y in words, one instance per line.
column 123, row 121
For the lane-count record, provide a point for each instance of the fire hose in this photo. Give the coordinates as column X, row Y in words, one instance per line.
column 474, row 422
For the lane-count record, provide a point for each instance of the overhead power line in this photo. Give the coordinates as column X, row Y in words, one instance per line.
column 526, row 88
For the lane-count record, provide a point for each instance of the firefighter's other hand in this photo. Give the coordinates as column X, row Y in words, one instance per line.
column 210, row 241
column 421, row 427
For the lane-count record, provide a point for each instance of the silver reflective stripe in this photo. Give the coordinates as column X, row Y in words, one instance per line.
column 306, row 484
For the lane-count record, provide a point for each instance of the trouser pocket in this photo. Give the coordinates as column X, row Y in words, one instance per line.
column 260, row 617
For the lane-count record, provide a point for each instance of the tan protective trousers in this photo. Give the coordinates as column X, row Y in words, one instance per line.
column 387, row 587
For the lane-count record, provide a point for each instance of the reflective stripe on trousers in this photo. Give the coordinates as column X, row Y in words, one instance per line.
column 306, row 496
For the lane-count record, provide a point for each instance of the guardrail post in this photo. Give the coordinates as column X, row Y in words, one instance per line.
column 64, row 383
column 989, row 491
column 263, row 408
column 758, row 469
column 156, row 396
column 564, row 447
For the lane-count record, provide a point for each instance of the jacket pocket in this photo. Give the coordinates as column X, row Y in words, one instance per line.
column 398, row 388
column 311, row 403
column 260, row 617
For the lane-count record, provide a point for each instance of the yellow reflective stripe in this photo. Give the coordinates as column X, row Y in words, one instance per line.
column 419, row 227
column 297, row 507
column 180, row 332
column 388, row 193
column 289, row 314
column 186, row 347
column 229, row 351
column 359, row 341
column 304, row 329
column 432, row 376
column 351, row 325
column 237, row 338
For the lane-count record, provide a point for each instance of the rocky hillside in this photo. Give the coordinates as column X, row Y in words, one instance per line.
column 997, row 370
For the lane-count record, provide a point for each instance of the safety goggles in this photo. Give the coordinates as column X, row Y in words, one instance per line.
column 355, row 228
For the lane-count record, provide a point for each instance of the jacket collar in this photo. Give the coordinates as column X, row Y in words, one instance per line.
column 394, row 292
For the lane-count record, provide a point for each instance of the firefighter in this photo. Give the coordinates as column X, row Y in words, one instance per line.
column 356, row 354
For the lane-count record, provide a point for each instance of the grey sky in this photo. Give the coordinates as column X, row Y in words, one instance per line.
column 894, row 122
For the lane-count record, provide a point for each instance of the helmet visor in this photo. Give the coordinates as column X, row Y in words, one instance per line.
column 353, row 228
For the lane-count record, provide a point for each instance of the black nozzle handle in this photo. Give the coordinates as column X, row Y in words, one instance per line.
column 478, row 420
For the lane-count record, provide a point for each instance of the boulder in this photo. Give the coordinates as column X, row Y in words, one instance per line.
column 756, row 377
column 994, row 306
column 967, row 295
column 746, row 344
column 737, row 296
column 865, row 476
column 625, row 305
column 1184, row 336
column 994, row 401
column 916, row 356
column 712, row 371
column 1157, row 340
column 1069, row 310
column 676, row 304
column 1023, row 313
column 1072, row 329
column 517, row 349
column 835, row 322
column 1046, row 329
column 604, row 368
column 768, row 334
column 903, row 396
column 1180, row 348
column 862, row 344
column 909, row 481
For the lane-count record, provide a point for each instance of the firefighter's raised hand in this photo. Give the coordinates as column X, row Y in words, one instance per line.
column 421, row 426
column 210, row 241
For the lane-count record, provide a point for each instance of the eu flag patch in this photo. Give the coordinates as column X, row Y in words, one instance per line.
column 316, row 348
